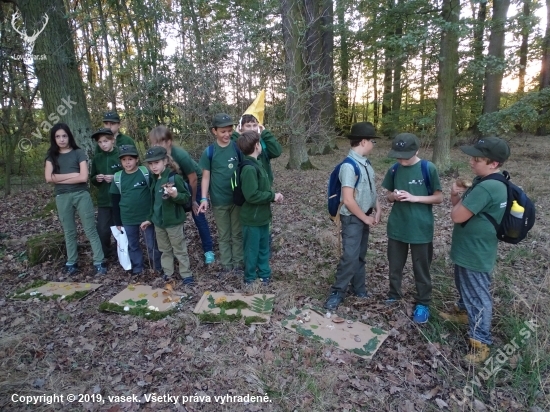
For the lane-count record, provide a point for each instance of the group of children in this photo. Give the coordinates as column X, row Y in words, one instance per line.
column 412, row 187
column 152, row 200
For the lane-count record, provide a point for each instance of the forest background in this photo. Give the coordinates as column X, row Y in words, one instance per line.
column 448, row 71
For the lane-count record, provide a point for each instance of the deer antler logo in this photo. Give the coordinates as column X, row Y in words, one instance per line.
column 28, row 40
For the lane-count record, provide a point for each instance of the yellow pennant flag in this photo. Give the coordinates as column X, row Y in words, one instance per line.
column 257, row 108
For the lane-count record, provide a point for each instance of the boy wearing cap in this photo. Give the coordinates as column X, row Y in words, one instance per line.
column 474, row 245
column 356, row 216
column 111, row 120
column 131, row 198
column 218, row 163
column 411, row 221
column 104, row 165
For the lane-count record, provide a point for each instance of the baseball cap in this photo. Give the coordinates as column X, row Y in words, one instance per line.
column 222, row 120
column 493, row 148
column 155, row 153
column 127, row 150
column 111, row 117
column 103, row 131
column 362, row 130
column 404, row 146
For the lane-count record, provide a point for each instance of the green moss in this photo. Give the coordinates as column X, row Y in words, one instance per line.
column 233, row 304
column 50, row 245
column 70, row 298
column 35, row 284
column 140, row 311
column 218, row 317
column 249, row 320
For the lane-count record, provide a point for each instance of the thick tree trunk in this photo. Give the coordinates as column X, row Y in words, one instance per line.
column 476, row 101
column 447, row 77
column 328, row 111
column 59, row 80
column 495, row 66
column 294, row 67
column 110, row 86
column 343, row 98
column 524, row 46
column 545, row 63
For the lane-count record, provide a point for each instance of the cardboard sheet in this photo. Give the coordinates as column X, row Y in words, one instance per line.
column 355, row 337
column 61, row 289
column 215, row 303
column 159, row 300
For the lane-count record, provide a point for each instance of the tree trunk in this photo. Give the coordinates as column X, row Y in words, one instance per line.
column 476, row 101
column 294, row 67
column 446, row 90
column 343, row 102
column 59, row 80
column 545, row 64
column 525, row 26
column 398, row 68
column 110, row 86
column 495, row 65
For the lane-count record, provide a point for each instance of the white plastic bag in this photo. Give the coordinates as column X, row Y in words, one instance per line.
column 122, row 247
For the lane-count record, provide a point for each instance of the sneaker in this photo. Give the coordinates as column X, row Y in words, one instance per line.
column 239, row 271
column 390, row 301
column 333, row 301
column 421, row 314
column 209, row 258
column 189, row 280
column 100, row 269
column 362, row 295
column 266, row 281
column 70, row 269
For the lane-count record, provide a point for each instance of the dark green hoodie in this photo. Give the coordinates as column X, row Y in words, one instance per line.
column 256, row 210
column 104, row 163
column 168, row 212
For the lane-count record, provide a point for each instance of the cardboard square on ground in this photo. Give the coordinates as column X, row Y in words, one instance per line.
column 260, row 305
column 60, row 288
column 134, row 296
column 324, row 330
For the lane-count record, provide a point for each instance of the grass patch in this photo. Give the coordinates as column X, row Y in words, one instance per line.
column 142, row 312
column 70, row 298
column 224, row 317
column 233, row 304
column 35, row 284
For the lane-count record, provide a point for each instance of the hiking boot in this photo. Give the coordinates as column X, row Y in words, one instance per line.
column 70, row 269
column 421, row 314
column 391, row 301
column 333, row 301
column 100, row 269
column 209, row 258
column 266, row 281
column 189, row 280
column 239, row 271
column 457, row 315
column 479, row 352
column 362, row 295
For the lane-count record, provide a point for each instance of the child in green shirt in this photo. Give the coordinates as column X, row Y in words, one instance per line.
column 218, row 163
column 255, row 213
column 104, row 165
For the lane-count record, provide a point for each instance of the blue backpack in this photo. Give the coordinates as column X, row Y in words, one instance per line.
column 334, row 192
column 210, row 152
column 425, row 174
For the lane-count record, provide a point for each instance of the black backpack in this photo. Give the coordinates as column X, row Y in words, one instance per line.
column 512, row 229
column 236, row 184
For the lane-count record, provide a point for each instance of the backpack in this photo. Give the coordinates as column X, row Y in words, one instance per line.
column 144, row 171
column 425, row 174
column 210, row 152
column 236, row 184
column 187, row 206
column 511, row 229
column 334, row 191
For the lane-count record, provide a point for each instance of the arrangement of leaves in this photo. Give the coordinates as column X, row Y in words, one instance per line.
column 262, row 305
column 21, row 295
column 368, row 348
column 141, row 311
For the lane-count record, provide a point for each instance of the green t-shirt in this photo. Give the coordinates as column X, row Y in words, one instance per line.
column 124, row 139
column 70, row 163
column 475, row 245
column 411, row 222
column 186, row 164
column 224, row 163
column 135, row 197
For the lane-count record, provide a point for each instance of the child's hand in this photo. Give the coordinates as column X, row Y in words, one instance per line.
column 108, row 178
column 171, row 191
column 457, row 189
column 203, row 206
column 144, row 225
column 99, row 178
column 261, row 128
column 278, row 197
column 377, row 216
column 404, row 196
column 120, row 229
column 195, row 208
column 370, row 221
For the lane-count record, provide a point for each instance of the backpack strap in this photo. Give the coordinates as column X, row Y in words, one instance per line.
column 426, row 176
column 210, row 152
column 116, row 179
column 145, row 172
column 356, row 169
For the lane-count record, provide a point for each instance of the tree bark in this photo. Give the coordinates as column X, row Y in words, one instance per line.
column 476, row 101
column 446, row 90
column 545, row 64
column 524, row 46
column 343, row 96
column 59, row 80
column 110, row 86
column 495, row 65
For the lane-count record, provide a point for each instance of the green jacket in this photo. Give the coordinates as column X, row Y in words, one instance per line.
column 104, row 163
column 256, row 187
column 168, row 212
column 120, row 140
column 271, row 149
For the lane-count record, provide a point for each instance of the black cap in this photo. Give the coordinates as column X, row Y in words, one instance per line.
column 103, row 131
column 493, row 148
column 155, row 153
column 404, row 146
column 127, row 150
column 362, row 130
column 111, row 117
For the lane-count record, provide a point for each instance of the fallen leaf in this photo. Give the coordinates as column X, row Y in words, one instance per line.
column 441, row 403
column 134, row 327
column 18, row 321
column 479, row 406
column 394, row 389
column 155, row 294
column 169, row 287
column 430, row 394
column 38, row 383
column 166, row 300
column 205, row 335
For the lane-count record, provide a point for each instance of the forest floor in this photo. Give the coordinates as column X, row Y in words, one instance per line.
column 65, row 348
